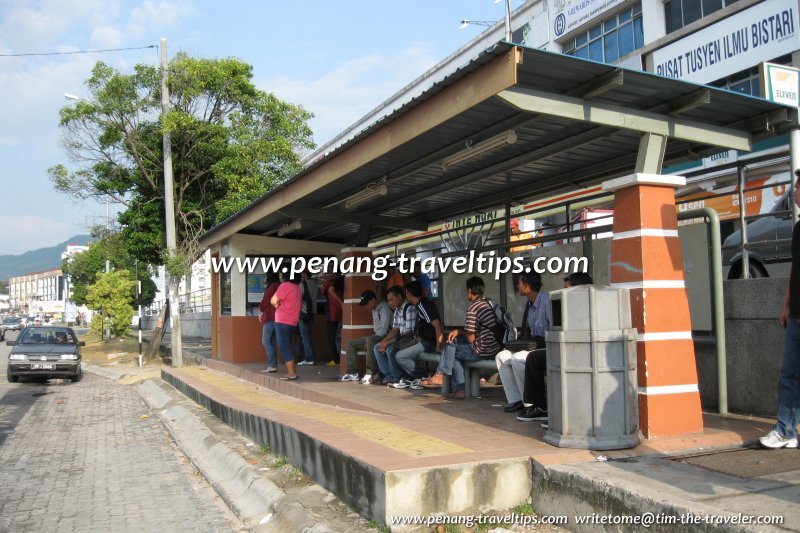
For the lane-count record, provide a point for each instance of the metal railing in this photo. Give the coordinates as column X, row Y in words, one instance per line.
column 190, row 302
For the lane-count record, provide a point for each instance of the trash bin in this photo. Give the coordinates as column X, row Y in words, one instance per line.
column 591, row 370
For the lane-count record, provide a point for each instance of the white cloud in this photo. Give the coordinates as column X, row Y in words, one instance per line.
column 8, row 141
column 107, row 37
column 22, row 233
column 159, row 14
column 340, row 97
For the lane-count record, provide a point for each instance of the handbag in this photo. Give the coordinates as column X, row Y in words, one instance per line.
column 407, row 340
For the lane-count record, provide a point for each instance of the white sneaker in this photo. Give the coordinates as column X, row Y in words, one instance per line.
column 349, row 377
column 402, row 384
column 773, row 440
column 415, row 384
column 367, row 379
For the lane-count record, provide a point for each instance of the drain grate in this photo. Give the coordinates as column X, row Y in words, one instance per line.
column 749, row 463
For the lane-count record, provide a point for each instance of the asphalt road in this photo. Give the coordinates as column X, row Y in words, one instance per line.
column 87, row 457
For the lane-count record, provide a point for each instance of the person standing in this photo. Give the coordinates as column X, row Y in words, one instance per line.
column 333, row 288
column 784, row 434
column 307, row 307
column 287, row 301
column 266, row 314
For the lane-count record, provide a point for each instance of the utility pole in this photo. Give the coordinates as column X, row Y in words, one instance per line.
column 169, row 210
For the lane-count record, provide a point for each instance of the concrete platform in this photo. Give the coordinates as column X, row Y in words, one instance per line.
column 390, row 452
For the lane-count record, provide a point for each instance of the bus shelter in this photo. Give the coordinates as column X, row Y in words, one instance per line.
column 514, row 123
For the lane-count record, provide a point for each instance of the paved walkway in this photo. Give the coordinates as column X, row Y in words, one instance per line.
column 82, row 458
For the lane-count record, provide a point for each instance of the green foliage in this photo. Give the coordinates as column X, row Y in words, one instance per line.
column 263, row 450
column 231, row 143
column 296, row 473
column 109, row 296
column 524, row 508
column 83, row 269
column 279, row 463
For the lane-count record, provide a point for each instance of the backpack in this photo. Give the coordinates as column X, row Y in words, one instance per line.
column 504, row 329
column 306, row 304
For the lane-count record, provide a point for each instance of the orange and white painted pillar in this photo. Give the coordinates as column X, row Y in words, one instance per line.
column 356, row 320
column 646, row 259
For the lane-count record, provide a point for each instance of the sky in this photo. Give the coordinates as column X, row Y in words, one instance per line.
column 338, row 59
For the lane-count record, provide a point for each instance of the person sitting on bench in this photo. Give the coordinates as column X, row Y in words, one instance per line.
column 534, row 395
column 536, row 321
column 381, row 322
column 473, row 342
column 429, row 328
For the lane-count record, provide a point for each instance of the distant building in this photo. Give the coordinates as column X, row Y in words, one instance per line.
column 37, row 292
column 67, row 255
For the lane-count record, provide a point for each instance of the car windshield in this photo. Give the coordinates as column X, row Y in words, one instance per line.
column 12, row 320
column 47, row 336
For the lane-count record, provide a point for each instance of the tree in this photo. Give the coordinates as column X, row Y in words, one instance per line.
column 110, row 296
column 83, row 269
column 231, row 143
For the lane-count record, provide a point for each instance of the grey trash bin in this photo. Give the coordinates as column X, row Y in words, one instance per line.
column 591, row 370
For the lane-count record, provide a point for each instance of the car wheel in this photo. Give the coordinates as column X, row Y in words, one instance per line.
column 756, row 271
column 12, row 379
column 78, row 376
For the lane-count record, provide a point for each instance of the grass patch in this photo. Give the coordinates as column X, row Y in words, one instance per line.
column 524, row 508
column 263, row 450
column 295, row 473
column 452, row 528
column 120, row 350
column 279, row 463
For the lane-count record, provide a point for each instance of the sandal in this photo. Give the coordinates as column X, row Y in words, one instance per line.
column 288, row 378
column 433, row 382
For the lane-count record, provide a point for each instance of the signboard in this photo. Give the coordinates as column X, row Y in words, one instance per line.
column 780, row 84
column 759, row 33
column 573, row 14
column 757, row 202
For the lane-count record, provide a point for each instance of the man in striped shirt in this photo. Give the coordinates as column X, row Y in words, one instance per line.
column 474, row 341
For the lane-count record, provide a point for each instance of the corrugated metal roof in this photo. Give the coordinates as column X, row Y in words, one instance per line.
column 552, row 154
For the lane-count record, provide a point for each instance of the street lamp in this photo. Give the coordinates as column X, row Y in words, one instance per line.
column 490, row 23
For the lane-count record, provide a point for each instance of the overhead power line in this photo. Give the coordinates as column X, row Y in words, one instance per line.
column 80, row 51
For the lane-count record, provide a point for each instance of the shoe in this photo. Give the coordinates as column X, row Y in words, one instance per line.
column 513, row 407
column 332, row 363
column 532, row 413
column 305, row 363
column 773, row 440
column 456, row 395
column 288, row 378
column 270, row 370
column 545, row 425
column 349, row 377
column 402, row 384
column 415, row 385
column 367, row 379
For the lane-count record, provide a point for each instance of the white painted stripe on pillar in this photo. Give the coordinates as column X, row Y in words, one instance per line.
column 352, row 300
column 357, row 326
column 645, row 232
column 665, row 336
column 652, row 284
column 668, row 389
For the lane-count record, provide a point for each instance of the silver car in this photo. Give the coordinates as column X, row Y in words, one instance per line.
column 45, row 352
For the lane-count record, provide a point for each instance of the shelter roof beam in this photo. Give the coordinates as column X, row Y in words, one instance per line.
column 621, row 117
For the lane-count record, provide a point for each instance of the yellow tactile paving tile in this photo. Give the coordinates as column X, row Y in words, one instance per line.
column 382, row 432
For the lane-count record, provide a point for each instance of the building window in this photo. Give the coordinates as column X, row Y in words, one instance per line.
column 748, row 81
column 680, row 13
column 613, row 38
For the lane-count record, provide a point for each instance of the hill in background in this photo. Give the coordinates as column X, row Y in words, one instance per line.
column 37, row 260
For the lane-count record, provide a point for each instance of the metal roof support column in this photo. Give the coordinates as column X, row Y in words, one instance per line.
column 646, row 259
column 650, row 158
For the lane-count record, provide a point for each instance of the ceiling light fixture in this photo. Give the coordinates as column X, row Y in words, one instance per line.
column 473, row 151
column 289, row 228
column 374, row 190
